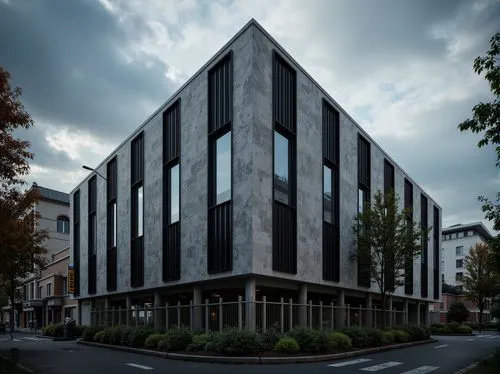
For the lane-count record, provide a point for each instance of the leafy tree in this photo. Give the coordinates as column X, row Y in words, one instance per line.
column 453, row 290
column 457, row 312
column 386, row 240
column 486, row 121
column 480, row 280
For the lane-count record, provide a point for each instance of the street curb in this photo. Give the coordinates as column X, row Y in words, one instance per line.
column 17, row 364
column 257, row 359
column 475, row 364
column 453, row 334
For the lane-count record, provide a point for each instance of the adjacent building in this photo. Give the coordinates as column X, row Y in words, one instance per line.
column 244, row 183
column 53, row 208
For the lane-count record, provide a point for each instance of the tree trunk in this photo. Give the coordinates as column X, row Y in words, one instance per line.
column 383, row 320
column 481, row 308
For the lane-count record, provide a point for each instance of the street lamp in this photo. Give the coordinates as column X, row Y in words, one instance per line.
column 93, row 170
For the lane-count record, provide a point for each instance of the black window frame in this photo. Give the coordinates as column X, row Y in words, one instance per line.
column 111, row 224
column 171, row 256
column 331, row 156
column 408, row 204
column 284, row 116
column 76, row 241
column 65, row 224
column 136, row 183
column 92, row 235
column 389, row 186
column 437, row 263
column 424, row 256
column 219, row 123
column 364, row 186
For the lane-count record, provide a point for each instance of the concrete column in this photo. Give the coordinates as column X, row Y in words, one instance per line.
column 369, row 304
column 303, row 305
column 107, row 319
column 159, row 314
column 128, row 317
column 250, row 303
column 418, row 312
column 427, row 315
column 389, row 315
column 197, row 308
column 407, row 311
column 341, row 310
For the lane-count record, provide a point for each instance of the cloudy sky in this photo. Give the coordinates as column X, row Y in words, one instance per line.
column 93, row 70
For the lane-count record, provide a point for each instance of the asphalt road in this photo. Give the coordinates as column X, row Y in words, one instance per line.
column 445, row 357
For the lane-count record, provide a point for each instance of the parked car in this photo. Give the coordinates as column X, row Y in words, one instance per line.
column 3, row 329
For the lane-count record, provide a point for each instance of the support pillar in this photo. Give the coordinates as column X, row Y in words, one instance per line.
column 250, row 303
column 390, row 312
column 128, row 312
column 341, row 310
column 427, row 315
column 303, row 305
column 107, row 308
column 197, row 308
column 159, row 314
column 369, row 304
column 418, row 312
column 406, row 312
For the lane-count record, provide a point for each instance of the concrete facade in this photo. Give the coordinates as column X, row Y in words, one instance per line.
column 252, row 186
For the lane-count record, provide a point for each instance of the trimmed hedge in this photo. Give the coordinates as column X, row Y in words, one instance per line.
column 450, row 328
column 401, row 336
column 310, row 340
column 176, row 339
column 89, row 333
column 235, row 342
column 55, row 330
column 338, row 341
column 152, row 340
column 287, row 344
column 200, row 343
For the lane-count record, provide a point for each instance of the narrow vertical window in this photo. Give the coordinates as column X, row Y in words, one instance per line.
column 92, row 235
column 436, row 246
column 364, row 185
column 424, row 272
column 408, row 204
column 171, row 264
column 331, row 244
column 137, row 192
column 284, row 179
column 76, row 241
column 388, row 188
column 220, row 114
column 111, row 256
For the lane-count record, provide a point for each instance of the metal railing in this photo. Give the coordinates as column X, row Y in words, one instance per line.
column 261, row 315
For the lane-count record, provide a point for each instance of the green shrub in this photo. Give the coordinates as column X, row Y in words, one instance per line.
column 417, row 333
column 401, row 336
column 389, row 337
column 200, row 342
column 89, row 333
column 106, row 335
column 152, row 340
column 115, row 335
column 287, row 344
column 358, row 336
column 309, row 340
column 463, row 329
column 126, row 336
column 47, row 330
column 338, row 341
column 233, row 342
column 139, row 336
column 457, row 312
column 178, row 339
column 375, row 337
column 98, row 336
column 58, row 330
column 269, row 338
column 78, row 330
column 163, row 345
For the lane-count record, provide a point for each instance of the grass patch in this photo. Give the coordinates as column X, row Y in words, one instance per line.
column 7, row 367
column 490, row 366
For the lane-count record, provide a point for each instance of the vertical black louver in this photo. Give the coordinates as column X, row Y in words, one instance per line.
column 331, row 243
column 285, row 167
column 424, row 281
column 220, row 116
column 111, row 256
column 408, row 199
column 137, row 216
column 171, row 266
column 388, row 187
column 364, row 192
column 76, row 241
column 436, row 234
column 92, row 235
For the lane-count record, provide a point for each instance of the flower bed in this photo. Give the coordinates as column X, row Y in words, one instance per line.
column 452, row 328
column 234, row 342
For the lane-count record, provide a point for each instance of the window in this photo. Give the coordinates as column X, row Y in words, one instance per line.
column 63, row 224
column 223, row 168
column 459, row 277
column 76, row 240
column 32, row 291
column 171, row 193
column 331, row 250
column 424, row 257
column 111, row 225
column 137, row 211
column 92, row 235
column 459, row 250
column 460, row 263
column 65, row 286
column 49, row 289
column 364, row 185
column 461, row 234
column 442, row 278
column 284, row 115
column 471, row 233
column 435, row 247
column 39, row 292
column 408, row 204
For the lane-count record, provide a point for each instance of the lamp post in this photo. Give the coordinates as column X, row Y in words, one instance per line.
column 94, row 170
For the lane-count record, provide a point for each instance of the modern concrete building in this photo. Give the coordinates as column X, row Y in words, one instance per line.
column 457, row 242
column 53, row 207
column 244, row 183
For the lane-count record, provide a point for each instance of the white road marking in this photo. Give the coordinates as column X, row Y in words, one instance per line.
column 422, row 370
column 17, row 340
column 482, row 336
column 385, row 365
column 352, row 362
column 139, row 366
column 470, row 340
column 492, row 337
column 441, row 346
column 34, row 339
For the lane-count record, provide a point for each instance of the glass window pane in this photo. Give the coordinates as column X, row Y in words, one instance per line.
column 94, row 234
column 361, row 200
column 113, row 235
column 281, row 166
column 223, row 168
column 174, row 194
column 140, row 211
column 327, row 194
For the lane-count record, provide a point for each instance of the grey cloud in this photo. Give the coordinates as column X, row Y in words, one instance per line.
column 66, row 56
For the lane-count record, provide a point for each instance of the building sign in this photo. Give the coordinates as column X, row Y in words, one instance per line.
column 71, row 280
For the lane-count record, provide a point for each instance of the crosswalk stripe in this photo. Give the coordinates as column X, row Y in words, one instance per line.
column 492, row 337
column 470, row 340
column 385, row 365
column 422, row 370
column 32, row 339
column 482, row 336
column 441, row 346
column 143, row 367
column 352, row 362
